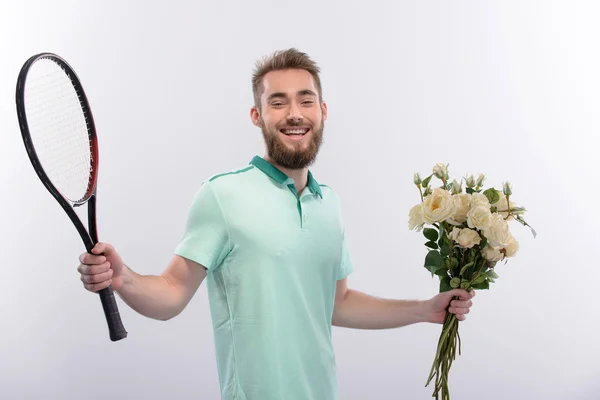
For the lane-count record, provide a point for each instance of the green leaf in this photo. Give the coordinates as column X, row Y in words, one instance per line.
column 425, row 182
column 444, row 250
column 470, row 190
column 483, row 242
column 471, row 255
column 522, row 221
column 442, row 235
column 430, row 234
column 433, row 261
column 455, row 282
column 445, row 284
column 492, row 274
column 492, row 195
column 432, row 245
column 464, row 269
column 485, row 268
column 441, row 272
column 480, row 279
column 481, row 286
column 465, row 285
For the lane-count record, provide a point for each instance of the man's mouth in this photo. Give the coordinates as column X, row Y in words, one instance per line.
column 295, row 131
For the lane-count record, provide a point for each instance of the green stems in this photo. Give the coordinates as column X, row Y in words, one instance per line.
column 446, row 354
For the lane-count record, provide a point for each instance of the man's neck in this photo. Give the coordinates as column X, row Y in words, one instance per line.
column 300, row 176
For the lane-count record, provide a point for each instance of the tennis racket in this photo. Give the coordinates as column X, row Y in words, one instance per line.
column 60, row 138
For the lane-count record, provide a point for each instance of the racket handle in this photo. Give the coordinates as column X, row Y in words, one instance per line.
column 111, row 311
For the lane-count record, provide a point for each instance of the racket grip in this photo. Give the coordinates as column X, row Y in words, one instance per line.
column 116, row 329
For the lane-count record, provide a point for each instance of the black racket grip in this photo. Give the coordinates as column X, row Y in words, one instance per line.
column 116, row 329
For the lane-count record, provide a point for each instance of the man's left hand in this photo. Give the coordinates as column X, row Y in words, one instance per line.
column 437, row 306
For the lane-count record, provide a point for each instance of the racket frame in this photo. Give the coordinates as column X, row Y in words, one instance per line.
column 89, row 236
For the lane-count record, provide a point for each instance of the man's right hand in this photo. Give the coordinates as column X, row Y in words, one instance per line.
column 102, row 268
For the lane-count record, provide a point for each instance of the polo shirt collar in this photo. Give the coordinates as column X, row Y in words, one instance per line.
column 280, row 177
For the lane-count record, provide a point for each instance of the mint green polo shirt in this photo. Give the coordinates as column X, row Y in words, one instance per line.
column 272, row 258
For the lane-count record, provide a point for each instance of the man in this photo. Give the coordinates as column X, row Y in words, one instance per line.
column 270, row 241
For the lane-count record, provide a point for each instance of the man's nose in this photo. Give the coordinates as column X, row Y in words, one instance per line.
column 294, row 114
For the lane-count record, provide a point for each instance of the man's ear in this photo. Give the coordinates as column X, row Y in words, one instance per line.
column 255, row 116
column 324, row 110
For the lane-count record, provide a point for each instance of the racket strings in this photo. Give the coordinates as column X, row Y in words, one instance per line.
column 59, row 129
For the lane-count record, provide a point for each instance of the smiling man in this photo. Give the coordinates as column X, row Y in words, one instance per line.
column 270, row 242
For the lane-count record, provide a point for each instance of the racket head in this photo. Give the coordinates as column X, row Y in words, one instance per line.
column 59, row 133
column 58, row 128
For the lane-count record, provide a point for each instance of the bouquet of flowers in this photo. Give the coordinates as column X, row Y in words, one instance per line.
column 467, row 235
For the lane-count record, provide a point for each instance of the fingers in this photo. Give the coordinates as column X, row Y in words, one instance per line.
column 461, row 317
column 102, row 248
column 95, row 270
column 461, row 294
column 461, row 303
column 461, row 313
column 97, row 277
column 460, row 308
column 90, row 259
column 90, row 268
column 96, row 287
column 464, row 295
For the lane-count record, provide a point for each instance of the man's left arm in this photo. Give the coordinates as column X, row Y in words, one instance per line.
column 354, row 309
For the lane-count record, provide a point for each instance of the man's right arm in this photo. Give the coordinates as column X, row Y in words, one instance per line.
column 164, row 296
column 159, row 297
column 206, row 239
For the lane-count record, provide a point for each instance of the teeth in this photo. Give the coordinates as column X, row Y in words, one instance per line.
column 295, row 131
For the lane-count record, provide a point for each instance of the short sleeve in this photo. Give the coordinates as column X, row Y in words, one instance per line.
column 346, row 265
column 206, row 237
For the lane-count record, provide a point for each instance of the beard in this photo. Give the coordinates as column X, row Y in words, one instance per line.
column 292, row 158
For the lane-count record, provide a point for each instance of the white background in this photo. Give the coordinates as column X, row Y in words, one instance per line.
column 509, row 89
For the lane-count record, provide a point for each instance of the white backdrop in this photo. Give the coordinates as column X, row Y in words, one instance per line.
column 509, row 89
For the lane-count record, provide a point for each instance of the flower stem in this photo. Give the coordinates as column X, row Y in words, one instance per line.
column 480, row 268
column 446, row 354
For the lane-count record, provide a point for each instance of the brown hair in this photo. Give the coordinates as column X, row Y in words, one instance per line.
column 280, row 60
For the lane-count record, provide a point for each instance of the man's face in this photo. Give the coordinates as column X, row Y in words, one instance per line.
column 292, row 120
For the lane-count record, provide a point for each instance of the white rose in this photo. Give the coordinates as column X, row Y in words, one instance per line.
column 479, row 217
column 467, row 238
column 438, row 206
column 512, row 247
column 440, row 170
column 492, row 254
column 417, row 179
column 479, row 199
column 453, row 234
column 470, row 181
column 498, row 234
column 462, row 204
column 415, row 218
column 456, row 187
column 480, row 180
